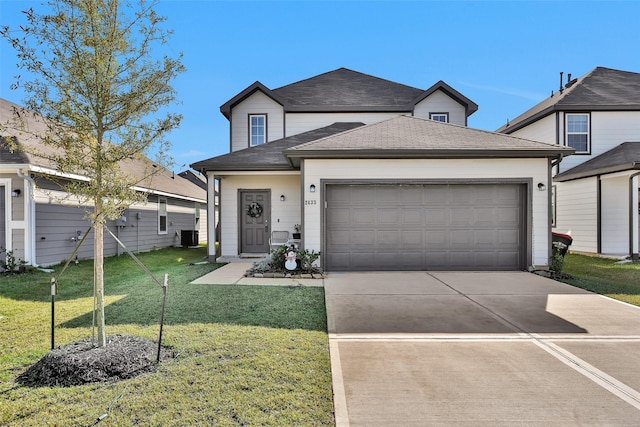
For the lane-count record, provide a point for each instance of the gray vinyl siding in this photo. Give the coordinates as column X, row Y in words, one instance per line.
column 57, row 224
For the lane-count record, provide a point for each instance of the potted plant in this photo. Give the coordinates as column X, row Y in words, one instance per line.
column 297, row 234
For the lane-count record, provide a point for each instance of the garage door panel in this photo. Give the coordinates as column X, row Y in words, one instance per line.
column 412, row 216
column 508, row 216
column 436, row 217
column 388, row 238
column 363, row 216
column 411, row 195
column 387, row 216
column 461, row 216
column 484, row 216
column 364, row 195
column 483, row 238
column 508, row 237
column 362, row 238
column 437, row 239
column 460, row 238
column 362, row 260
column 418, row 227
column 412, row 239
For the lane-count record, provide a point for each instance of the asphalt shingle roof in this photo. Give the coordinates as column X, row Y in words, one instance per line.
column 602, row 89
column 344, row 87
column 269, row 156
column 625, row 156
column 413, row 137
column 347, row 90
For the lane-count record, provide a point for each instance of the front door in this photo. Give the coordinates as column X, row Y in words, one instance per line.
column 255, row 211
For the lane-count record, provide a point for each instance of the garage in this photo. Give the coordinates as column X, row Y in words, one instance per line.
column 431, row 226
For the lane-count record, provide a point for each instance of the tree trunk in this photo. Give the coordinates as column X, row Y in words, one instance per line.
column 98, row 272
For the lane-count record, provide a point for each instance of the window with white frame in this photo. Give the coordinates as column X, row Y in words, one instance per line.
column 257, row 129
column 162, row 216
column 577, row 132
column 439, row 117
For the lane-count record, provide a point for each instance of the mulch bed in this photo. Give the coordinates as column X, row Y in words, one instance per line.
column 82, row 362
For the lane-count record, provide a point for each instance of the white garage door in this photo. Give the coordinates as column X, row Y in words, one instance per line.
column 424, row 227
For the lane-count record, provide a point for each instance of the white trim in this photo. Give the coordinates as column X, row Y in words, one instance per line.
column 264, row 129
column 249, row 173
column 6, row 183
column 587, row 133
column 166, row 194
column 166, row 216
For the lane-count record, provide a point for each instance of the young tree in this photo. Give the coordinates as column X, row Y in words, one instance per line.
column 101, row 89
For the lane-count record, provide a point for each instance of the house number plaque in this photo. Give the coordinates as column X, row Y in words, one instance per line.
column 310, row 202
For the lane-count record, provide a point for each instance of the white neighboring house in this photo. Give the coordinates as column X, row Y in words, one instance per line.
column 43, row 230
column 595, row 190
column 381, row 176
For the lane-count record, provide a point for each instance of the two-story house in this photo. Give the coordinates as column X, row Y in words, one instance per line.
column 595, row 191
column 379, row 176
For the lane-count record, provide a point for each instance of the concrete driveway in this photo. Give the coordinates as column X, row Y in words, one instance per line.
column 471, row 348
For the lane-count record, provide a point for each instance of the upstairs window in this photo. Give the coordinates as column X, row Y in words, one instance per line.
column 257, row 129
column 577, row 134
column 439, row 117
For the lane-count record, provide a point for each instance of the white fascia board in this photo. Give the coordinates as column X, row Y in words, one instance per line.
column 165, row 194
column 253, row 173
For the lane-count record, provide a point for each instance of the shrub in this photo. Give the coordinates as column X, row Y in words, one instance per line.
column 11, row 264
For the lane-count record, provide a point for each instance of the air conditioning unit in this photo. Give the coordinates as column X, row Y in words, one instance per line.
column 189, row 238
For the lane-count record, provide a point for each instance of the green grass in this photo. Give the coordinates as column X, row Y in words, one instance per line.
column 604, row 276
column 247, row 355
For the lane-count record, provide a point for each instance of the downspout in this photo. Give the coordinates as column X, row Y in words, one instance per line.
column 632, row 211
column 599, row 214
column 30, row 216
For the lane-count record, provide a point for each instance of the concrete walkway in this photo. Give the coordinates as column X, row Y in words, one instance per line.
column 233, row 274
column 498, row 349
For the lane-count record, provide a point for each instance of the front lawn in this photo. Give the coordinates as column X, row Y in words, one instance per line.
column 604, row 276
column 247, row 355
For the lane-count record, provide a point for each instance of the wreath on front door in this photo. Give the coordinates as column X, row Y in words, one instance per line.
column 254, row 209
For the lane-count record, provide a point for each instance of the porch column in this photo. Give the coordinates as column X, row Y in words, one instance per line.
column 634, row 239
column 211, row 217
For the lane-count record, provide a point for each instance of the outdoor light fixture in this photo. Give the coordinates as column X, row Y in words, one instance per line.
column 541, row 186
column 16, row 192
column 282, row 198
column 312, row 188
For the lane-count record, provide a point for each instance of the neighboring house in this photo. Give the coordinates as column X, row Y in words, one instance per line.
column 378, row 179
column 595, row 190
column 42, row 229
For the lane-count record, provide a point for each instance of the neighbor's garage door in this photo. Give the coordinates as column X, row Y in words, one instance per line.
column 424, row 227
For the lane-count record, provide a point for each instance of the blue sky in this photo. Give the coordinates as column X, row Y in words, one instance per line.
column 505, row 56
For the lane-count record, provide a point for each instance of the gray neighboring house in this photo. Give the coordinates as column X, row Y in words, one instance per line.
column 380, row 176
column 42, row 229
column 595, row 191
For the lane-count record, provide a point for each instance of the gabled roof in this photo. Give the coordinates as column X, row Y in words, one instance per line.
column 163, row 180
column 470, row 106
column 602, row 89
column 347, row 90
column 268, row 156
column 257, row 86
column 624, row 157
column 414, row 137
